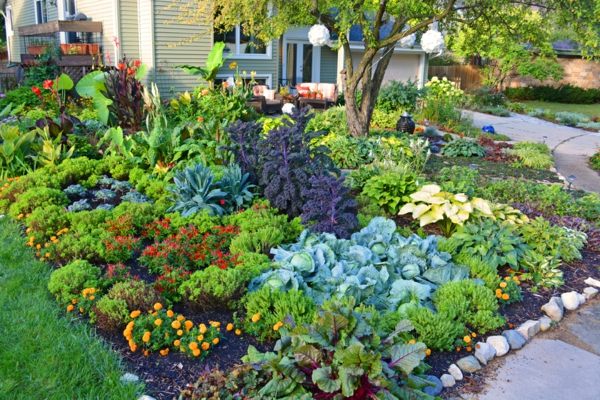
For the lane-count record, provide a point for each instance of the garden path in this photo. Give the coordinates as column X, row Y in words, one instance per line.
column 561, row 364
column 571, row 146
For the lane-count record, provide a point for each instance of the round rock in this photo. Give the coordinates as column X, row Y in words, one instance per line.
column 545, row 323
column 592, row 282
column 514, row 339
column 468, row 364
column 455, row 372
column 529, row 329
column 590, row 292
column 499, row 343
column 554, row 309
column 484, row 352
column 447, row 380
column 570, row 300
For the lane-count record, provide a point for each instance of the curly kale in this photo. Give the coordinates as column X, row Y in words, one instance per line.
column 328, row 206
column 289, row 162
column 244, row 137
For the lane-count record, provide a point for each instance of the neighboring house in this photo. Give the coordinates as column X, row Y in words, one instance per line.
column 151, row 31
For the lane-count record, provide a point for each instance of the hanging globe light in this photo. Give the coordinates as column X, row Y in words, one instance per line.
column 318, row 35
column 432, row 41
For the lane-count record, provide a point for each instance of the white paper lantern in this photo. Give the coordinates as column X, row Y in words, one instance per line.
column 432, row 41
column 318, row 35
column 288, row 108
column 408, row 41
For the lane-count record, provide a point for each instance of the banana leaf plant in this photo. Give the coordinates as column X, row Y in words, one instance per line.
column 214, row 62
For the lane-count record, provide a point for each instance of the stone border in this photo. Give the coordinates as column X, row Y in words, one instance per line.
column 514, row 339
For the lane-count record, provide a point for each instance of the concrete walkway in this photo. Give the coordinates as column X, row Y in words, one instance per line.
column 572, row 147
column 561, row 364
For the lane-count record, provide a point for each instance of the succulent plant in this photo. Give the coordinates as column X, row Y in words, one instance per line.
column 104, row 194
column 120, row 186
column 75, row 191
column 135, row 197
column 106, row 181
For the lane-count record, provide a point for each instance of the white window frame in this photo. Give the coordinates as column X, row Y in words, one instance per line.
column 35, row 11
column 62, row 15
column 243, row 56
column 316, row 60
column 267, row 77
column 8, row 22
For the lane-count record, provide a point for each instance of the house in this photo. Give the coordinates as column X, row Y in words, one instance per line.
column 153, row 31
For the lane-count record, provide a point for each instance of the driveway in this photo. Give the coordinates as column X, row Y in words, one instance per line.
column 571, row 147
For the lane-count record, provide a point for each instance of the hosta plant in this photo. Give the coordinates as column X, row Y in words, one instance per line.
column 508, row 214
column 390, row 190
column 496, row 244
column 463, row 148
column 195, row 190
column 552, row 240
column 544, row 271
column 340, row 355
column 431, row 205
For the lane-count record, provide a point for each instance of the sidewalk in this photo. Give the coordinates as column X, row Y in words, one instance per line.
column 561, row 364
column 571, row 146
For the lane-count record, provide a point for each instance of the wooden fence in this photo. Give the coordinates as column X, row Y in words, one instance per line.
column 465, row 76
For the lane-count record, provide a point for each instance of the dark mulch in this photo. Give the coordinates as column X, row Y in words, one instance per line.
column 165, row 377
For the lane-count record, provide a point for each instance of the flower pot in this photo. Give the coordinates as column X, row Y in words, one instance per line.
column 74, row 48
column 37, row 49
column 93, row 49
column 405, row 124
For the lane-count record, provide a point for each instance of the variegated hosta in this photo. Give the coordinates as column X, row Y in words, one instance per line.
column 431, row 205
column 511, row 215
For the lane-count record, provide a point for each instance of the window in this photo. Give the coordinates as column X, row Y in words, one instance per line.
column 41, row 11
column 69, row 7
column 240, row 45
column 260, row 79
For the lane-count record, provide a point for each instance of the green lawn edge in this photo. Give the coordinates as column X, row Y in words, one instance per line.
column 44, row 355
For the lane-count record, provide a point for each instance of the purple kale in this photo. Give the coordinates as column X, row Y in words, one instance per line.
column 245, row 137
column 289, row 161
column 328, row 206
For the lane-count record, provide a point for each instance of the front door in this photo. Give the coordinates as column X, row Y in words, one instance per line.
column 302, row 63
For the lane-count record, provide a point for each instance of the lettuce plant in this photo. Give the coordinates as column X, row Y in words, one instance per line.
column 432, row 205
column 340, row 355
column 328, row 206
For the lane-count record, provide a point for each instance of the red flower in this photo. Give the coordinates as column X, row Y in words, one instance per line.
column 121, row 66
column 130, row 71
column 48, row 83
column 137, row 63
column 222, row 202
column 36, row 90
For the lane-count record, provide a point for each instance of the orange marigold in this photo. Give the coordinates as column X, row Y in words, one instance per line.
column 176, row 324
column 229, row 327
column 157, row 306
column 467, row 339
column 146, row 337
column 135, row 314
column 177, row 343
column 215, row 341
column 188, row 324
column 205, row 346
column 170, row 313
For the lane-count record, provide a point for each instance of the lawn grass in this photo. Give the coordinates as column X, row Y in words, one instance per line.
column 592, row 110
column 44, row 355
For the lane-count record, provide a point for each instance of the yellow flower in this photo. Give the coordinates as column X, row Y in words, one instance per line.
column 132, row 346
column 158, row 322
column 157, row 306
column 229, row 327
column 19, row 216
column 164, row 352
column 214, row 324
column 170, row 313
column 428, row 352
column 505, row 296
column 177, row 343
column 193, row 346
column 180, row 318
column 74, row 301
column 473, row 334
column 135, row 314
column 232, row 65
column 205, row 346
column 70, row 307
column 180, row 332
column 202, row 328
column 196, row 352
column 215, row 341
column 176, row 324
column 92, row 297
column 238, row 332
column 38, row 246
column 53, row 238
column 503, row 284
column 146, row 337
column 277, row 326
column 188, row 325
column 467, row 339
column 256, row 317
column 200, row 338
column 412, row 341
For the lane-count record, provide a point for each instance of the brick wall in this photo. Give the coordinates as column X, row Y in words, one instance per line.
column 577, row 72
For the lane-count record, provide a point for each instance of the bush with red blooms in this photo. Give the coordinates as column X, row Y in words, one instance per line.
column 190, row 250
column 121, row 240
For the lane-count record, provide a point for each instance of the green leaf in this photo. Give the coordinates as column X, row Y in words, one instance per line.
column 307, row 356
column 64, row 82
column 322, row 378
column 91, row 84
column 349, row 377
column 141, row 72
column 407, row 356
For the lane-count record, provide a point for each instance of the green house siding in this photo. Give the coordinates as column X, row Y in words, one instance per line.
column 129, row 26
column 328, row 65
column 263, row 67
column 23, row 14
column 103, row 11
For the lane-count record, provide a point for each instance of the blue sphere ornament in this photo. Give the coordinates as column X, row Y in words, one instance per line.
column 488, row 129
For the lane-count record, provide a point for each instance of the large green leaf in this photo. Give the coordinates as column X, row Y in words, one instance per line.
column 91, row 84
column 64, row 82
column 322, row 377
column 407, row 357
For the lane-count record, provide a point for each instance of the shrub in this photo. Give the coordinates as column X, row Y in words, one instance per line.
column 266, row 307
column 487, row 96
column 137, row 294
column 110, row 314
column 463, row 148
column 329, row 207
column 553, row 241
column 357, row 178
column 37, row 197
column 390, row 190
column 348, row 151
column 385, row 119
column 67, row 282
column 333, row 120
column 478, row 268
column 44, row 222
column 434, row 329
column 560, row 94
column 543, row 270
column 397, row 95
column 571, row 118
column 595, row 161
